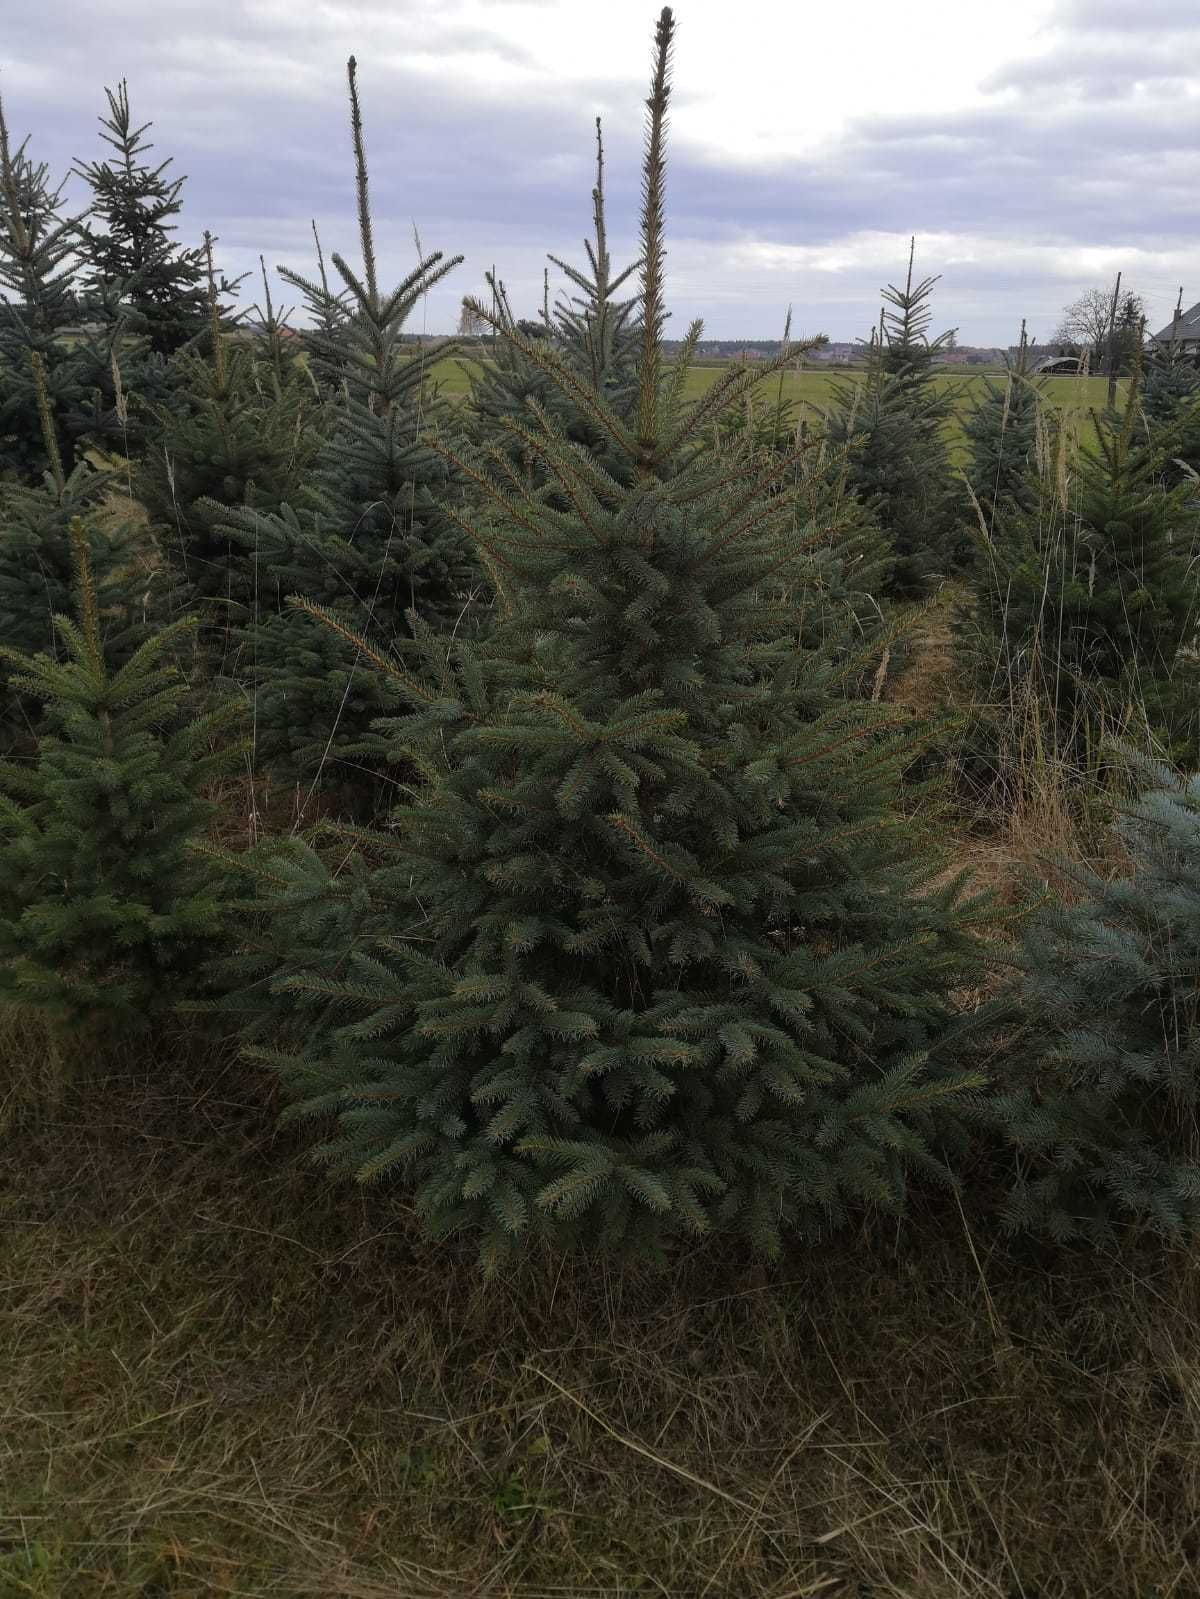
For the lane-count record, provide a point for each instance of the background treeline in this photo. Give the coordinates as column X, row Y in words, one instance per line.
column 531, row 783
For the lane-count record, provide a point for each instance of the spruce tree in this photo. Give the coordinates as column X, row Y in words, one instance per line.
column 37, row 565
column 593, row 332
column 379, row 542
column 652, row 954
column 1101, row 1109
column 39, row 301
column 893, row 426
column 848, row 558
column 127, row 244
column 237, row 432
column 1087, row 600
column 322, row 345
column 1001, row 431
column 104, row 910
column 376, row 476
column 1170, row 389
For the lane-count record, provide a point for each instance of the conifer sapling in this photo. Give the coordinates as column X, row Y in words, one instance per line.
column 654, row 951
column 105, row 910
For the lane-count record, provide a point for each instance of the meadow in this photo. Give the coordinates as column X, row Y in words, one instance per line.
column 816, row 386
column 812, row 391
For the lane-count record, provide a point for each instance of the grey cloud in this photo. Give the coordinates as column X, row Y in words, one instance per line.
column 257, row 121
column 1125, row 17
column 1110, row 49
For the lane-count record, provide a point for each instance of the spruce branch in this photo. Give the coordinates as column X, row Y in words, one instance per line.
column 729, row 389
column 87, row 592
column 214, row 315
column 561, row 375
column 555, row 465
column 654, row 171
column 360, row 183
column 413, row 688
column 8, row 183
column 49, row 436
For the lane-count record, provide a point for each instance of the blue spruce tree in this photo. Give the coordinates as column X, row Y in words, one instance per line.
column 1103, row 1107
column 652, row 951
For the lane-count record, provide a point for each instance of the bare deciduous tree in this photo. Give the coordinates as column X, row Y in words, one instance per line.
column 1085, row 322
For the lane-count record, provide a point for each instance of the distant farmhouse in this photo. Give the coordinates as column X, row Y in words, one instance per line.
column 1184, row 333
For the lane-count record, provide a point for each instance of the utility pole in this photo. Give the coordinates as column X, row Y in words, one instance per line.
column 1112, row 345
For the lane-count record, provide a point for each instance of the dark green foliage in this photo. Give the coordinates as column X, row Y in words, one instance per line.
column 37, row 578
column 37, row 564
column 297, row 915
column 38, row 301
column 1168, row 384
column 1001, row 430
column 837, row 590
column 237, row 432
column 893, row 426
column 1088, row 600
column 315, row 700
column 1102, row 1103
column 378, row 540
column 127, row 245
column 1170, row 391
column 104, row 909
column 651, row 954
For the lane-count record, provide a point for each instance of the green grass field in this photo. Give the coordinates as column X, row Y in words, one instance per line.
column 815, row 388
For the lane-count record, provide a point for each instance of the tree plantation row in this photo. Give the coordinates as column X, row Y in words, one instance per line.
column 521, row 778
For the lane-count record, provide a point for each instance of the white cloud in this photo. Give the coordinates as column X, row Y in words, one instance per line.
column 1034, row 146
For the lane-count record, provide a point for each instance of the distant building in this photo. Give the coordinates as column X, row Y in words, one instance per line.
column 1186, row 335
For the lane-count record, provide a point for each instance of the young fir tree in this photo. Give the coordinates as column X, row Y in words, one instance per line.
column 594, row 332
column 298, row 914
column 105, row 912
column 1087, row 601
column 127, row 242
column 1170, row 389
column 837, row 592
column 893, row 426
column 652, row 954
column 1104, row 1081
column 321, row 344
column 39, row 301
column 238, row 433
column 37, row 566
column 380, row 543
column 1001, row 430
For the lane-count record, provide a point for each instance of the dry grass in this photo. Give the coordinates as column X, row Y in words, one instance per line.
column 923, row 685
column 219, row 1377
column 1032, row 808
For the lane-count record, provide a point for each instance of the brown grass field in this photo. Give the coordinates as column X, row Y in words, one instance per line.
column 220, row 1376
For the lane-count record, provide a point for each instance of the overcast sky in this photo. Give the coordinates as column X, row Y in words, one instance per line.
column 1033, row 146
